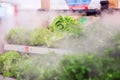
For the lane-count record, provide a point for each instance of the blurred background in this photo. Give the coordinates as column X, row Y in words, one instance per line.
column 18, row 12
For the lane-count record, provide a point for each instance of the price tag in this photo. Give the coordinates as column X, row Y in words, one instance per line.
column 26, row 48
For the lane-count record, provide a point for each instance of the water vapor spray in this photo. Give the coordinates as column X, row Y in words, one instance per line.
column 95, row 37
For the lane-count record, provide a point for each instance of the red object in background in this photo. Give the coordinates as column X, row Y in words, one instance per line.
column 16, row 14
column 79, row 7
column 15, row 9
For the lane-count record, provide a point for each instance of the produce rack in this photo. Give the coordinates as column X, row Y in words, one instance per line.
column 88, row 12
column 42, row 50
